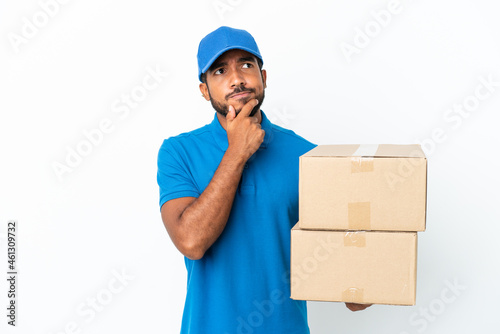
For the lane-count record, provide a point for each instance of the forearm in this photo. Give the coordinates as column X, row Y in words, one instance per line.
column 194, row 224
column 202, row 222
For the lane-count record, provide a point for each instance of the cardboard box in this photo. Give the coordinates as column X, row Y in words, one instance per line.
column 356, row 267
column 363, row 187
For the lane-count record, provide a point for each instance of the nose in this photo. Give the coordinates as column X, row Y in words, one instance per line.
column 236, row 78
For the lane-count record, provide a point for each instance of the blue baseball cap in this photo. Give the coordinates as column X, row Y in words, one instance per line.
column 221, row 40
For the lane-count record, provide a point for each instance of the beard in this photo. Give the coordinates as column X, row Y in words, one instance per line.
column 222, row 108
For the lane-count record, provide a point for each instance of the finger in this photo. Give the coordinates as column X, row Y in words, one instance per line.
column 349, row 306
column 352, row 306
column 357, row 307
column 248, row 107
column 231, row 114
column 254, row 119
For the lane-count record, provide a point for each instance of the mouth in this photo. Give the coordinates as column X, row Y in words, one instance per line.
column 240, row 95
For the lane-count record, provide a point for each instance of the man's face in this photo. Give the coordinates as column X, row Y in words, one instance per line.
column 234, row 79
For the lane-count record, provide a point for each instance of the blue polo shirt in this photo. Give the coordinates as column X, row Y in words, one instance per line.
column 241, row 285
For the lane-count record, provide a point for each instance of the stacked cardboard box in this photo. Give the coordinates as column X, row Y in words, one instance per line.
column 360, row 208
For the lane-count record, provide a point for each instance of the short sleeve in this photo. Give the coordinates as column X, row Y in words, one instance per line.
column 173, row 177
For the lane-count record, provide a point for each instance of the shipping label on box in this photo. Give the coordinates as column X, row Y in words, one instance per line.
column 355, row 267
column 363, row 187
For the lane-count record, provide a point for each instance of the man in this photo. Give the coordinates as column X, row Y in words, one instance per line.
column 229, row 197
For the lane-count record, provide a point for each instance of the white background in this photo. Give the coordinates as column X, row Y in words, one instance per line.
column 79, row 230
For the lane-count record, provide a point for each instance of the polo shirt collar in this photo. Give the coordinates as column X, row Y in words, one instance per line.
column 220, row 135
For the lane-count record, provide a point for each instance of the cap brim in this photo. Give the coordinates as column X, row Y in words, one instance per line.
column 218, row 54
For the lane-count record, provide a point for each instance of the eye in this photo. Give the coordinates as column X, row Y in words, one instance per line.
column 219, row 71
column 247, row 65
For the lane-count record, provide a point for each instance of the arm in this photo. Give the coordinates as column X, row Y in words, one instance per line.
column 194, row 224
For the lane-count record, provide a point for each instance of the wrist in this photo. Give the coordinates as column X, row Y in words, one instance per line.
column 235, row 157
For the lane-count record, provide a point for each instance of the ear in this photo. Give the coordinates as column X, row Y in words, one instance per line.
column 204, row 91
column 264, row 77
